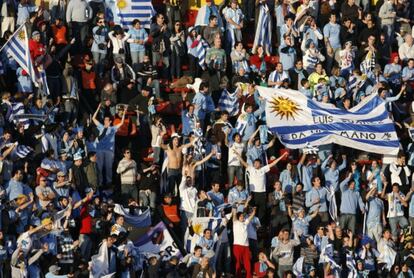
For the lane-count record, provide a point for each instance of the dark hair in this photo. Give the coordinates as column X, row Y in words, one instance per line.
column 91, row 154
column 314, row 179
column 234, row 135
column 135, row 21
column 212, row 17
column 206, row 230
column 203, row 85
column 15, row 170
column 197, row 248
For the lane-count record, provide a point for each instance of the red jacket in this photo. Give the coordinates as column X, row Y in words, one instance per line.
column 36, row 49
column 86, row 220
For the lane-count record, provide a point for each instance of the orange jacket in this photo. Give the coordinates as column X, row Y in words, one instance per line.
column 171, row 212
column 59, row 34
column 124, row 130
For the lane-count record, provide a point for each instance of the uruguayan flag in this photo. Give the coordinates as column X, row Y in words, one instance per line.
column 201, row 53
column 387, row 256
column 125, row 11
column 22, row 151
column 18, row 47
column 199, row 224
column 298, row 267
column 43, row 81
column 229, row 102
column 299, row 121
column 17, row 115
column 350, row 263
column 263, row 30
column 333, row 209
column 135, row 219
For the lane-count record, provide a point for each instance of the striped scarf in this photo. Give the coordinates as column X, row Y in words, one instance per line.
column 18, row 109
column 264, row 29
column 229, row 102
column 201, row 51
column 350, row 263
column 369, row 63
column 22, row 151
column 43, row 82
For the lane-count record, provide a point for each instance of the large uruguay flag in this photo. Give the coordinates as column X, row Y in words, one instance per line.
column 125, row 11
column 158, row 241
column 299, row 121
column 18, row 47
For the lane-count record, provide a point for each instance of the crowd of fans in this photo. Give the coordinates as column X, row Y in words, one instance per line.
column 115, row 107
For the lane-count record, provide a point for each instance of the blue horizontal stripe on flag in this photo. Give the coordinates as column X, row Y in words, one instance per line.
column 317, row 136
column 135, row 15
column 17, row 56
column 365, row 109
column 15, row 50
column 389, row 127
column 143, row 8
column 15, row 42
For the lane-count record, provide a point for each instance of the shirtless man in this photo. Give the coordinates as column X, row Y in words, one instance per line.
column 190, row 165
column 175, row 157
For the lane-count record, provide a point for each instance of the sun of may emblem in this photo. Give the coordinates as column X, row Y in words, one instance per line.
column 121, row 4
column 284, row 107
column 21, row 35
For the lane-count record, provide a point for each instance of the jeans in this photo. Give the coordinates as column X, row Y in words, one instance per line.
column 224, row 258
column 137, row 57
column 147, row 198
column 249, row 9
column 71, row 110
column 185, row 216
column 195, row 69
column 259, row 200
column 374, row 231
column 128, row 191
column 388, row 30
column 401, row 221
column 85, row 245
column 157, row 154
column 155, row 85
column 282, row 269
column 96, row 7
column 174, row 179
column 173, row 13
column 79, row 32
column 234, row 171
column 98, row 58
column 347, row 221
column 55, row 86
column 105, row 159
column 175, row 65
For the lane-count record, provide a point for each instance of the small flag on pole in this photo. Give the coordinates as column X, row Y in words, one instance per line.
column 18, row 47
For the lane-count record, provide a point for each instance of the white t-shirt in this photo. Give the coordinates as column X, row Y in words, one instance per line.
column 25, row 242
column 240, row 233
column 257, row 178
column 394, row 205
column 233, row 159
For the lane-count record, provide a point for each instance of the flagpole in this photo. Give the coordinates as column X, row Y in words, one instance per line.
column 15, row 32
